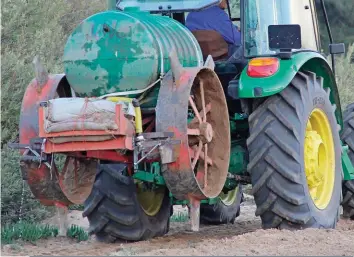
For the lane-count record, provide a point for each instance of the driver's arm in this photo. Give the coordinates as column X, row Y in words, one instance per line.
column 227, row 29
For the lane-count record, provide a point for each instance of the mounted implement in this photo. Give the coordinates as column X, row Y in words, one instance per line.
column 150, row 114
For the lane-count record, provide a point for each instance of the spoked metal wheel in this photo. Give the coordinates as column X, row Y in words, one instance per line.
column 201, row 165
column 200, row 134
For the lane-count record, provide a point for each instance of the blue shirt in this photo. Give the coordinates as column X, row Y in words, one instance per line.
column 214, row 18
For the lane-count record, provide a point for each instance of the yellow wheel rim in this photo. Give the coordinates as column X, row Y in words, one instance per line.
column 150, row 200
column 230, row 197
column 319, row 158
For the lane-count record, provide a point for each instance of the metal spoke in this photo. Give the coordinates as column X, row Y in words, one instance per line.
column 205, row 165
column 197, row 154
column 202, row 113
column 203, row 100
column 208, row 160
column 196, row 112
column 193, row 132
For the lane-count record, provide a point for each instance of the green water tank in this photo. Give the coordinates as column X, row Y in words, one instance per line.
column 117, row 51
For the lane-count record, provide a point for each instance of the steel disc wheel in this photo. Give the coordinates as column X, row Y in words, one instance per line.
column 319, row 158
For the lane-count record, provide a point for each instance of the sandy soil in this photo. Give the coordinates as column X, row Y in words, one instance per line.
column 245, row 237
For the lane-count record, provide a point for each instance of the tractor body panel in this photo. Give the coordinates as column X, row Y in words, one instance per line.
column 115, row 51
column 348, row 168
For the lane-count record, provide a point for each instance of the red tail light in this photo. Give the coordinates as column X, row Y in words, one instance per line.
column 263, row 67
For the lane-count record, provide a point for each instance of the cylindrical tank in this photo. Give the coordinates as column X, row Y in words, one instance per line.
column 116, row 51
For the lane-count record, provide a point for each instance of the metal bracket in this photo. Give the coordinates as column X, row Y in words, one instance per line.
column 146, row 155
column 152, row 141
column 40, row 158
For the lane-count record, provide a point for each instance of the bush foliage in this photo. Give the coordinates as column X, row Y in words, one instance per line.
column 41, row 27
column 29, row 28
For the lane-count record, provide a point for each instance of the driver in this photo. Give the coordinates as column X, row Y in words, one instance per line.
column 215, row 18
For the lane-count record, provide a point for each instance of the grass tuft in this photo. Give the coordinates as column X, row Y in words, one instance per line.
column 179, row 217
column 78, row 233
column 26, row 231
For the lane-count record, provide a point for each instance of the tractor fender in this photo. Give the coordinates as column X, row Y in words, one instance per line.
column 42, row 181
column 311, row 61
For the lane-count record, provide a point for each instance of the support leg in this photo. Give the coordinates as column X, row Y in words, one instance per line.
column 195, row 214
column 62, row 218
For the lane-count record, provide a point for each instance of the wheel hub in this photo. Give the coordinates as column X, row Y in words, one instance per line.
column 150, row 200
column 319, row 158
column 313, row 143
column 206, row 132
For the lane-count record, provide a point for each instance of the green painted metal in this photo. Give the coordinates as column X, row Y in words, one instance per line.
column 348, row 168
column 238, row 162
column 185, row 202
column 151, row 176
column 117, row 51
column 111, row 4
column 310, row 61
column 230, row 183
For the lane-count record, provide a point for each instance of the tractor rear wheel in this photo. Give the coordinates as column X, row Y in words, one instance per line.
column 295, row 157
column 118, row 208
column 225, row 210
column 348, row 138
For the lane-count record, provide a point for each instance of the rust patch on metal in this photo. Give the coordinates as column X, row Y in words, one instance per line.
column 43, row 183
column 77, row 178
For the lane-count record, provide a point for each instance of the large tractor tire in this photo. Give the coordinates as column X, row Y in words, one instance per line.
column 295, row 157
column 119, row 209
column 348, row 138
column 225, row 210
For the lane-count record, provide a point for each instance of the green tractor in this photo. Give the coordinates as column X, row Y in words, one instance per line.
column 149, row 115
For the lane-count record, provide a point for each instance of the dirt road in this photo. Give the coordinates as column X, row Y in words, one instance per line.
column 245, row 237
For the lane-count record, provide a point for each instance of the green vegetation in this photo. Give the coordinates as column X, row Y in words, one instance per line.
column 27, row 232
column 41, row 27
column 32, row 232
column 29, row 28
column 340, row 18
column 78, row 233
column 179, row 217
column 345, row 77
